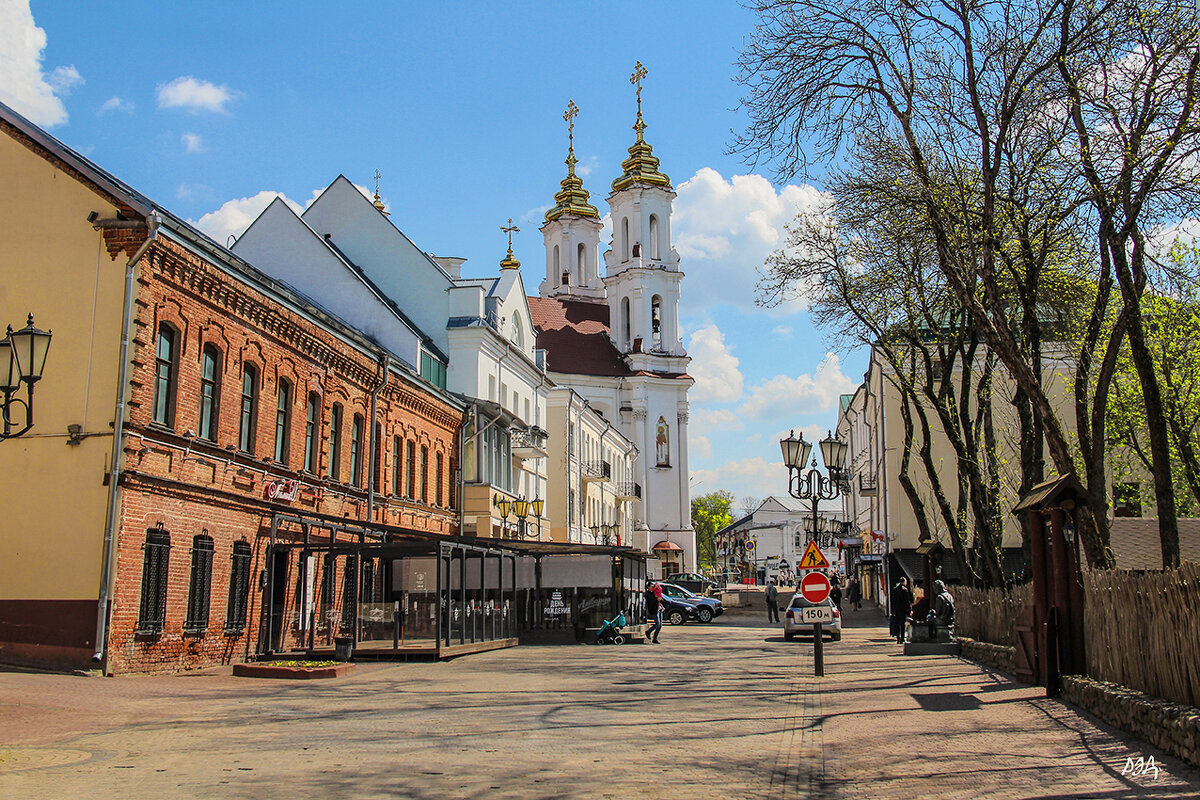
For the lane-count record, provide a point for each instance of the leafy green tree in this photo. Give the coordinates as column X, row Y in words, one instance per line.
column 710, row 513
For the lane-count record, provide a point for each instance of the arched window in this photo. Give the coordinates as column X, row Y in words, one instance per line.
column 654, row 236
column 283, row 421
column 249, row 415
column 581, row 264
column 656, row 321
column 335, row 442
column 165, row 372
column 624, row 238
column 210, row 392
column 356, row 442
column 625, row 322
column 311, row 433
column 518, row 334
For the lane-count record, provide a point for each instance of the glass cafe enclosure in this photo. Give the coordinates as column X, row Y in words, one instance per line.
column 390, row 592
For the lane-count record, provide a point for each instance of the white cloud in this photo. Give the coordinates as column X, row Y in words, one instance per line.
column 725, row 229
column 784, row 396
column 232, row 218
column 192, row 143
column 699, row 446
column 754, row 476
column 63, row 79
column 782, row 330
column 713, row 366
column 23, row 85
column 587, row 166
column 194, row 95
column 117, row 104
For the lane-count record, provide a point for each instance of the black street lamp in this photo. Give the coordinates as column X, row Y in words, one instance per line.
column 22, row 359
column 812, row 485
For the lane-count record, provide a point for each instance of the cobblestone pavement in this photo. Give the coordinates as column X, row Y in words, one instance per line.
column 727, row 710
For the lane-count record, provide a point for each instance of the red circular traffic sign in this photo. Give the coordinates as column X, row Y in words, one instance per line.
column 815, row 587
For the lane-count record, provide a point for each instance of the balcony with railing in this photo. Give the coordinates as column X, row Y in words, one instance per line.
column 597, row 471
column 529, row 444
column 629, row 490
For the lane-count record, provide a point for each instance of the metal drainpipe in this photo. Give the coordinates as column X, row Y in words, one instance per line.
column 110, row 514
column 385, row 362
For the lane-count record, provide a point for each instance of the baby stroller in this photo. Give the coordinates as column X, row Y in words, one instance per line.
column 610, row 631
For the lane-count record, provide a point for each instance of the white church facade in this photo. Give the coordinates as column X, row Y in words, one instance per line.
column 614, row 339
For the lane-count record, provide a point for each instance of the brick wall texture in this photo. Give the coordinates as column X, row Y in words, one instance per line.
column 178, row 482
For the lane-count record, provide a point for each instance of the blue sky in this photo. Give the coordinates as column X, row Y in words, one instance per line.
column 210, row 109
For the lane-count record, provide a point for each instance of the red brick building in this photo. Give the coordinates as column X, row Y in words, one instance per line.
column 240, row 405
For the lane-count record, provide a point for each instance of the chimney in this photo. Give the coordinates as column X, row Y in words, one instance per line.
column 451, row 264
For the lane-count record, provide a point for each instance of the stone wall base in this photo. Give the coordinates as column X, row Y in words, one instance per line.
column 995, row 656
column 1171, row 727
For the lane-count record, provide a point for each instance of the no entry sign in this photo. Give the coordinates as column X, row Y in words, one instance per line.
column 815, row 587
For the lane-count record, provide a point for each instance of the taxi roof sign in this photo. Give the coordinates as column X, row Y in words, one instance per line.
column 813, row 558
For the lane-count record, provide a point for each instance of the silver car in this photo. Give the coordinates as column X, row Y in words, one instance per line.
column 794, row 623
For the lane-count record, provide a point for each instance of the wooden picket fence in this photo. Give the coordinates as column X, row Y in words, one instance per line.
column 1143, row 630
column 990, row 615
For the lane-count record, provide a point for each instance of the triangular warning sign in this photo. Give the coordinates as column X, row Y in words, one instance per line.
column 813, row 558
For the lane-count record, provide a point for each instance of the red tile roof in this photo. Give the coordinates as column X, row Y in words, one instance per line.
column 574, row 335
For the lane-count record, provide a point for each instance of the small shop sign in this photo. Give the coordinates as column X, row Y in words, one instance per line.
column 284, row 491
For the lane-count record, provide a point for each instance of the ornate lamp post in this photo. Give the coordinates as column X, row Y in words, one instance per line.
column 812, row 485
column 22, row 359
column 521, row 507
column 538, row 505
column 505, row 505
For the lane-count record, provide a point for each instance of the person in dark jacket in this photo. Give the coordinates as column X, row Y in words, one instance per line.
column 772, row 602
column 854, row 594
column 835, row 594
column 901, row 601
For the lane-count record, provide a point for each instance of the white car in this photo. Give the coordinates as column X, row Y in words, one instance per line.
column 801, row 614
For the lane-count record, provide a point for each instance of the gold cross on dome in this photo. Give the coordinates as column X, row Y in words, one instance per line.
column 377, row 177
column 639, row 72
column 569, row 117
column 510, row 229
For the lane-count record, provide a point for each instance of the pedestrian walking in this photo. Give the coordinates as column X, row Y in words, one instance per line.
column 854, row 594
column 835, row 594
column 654, row 610
column 772, row 602
column 901, row 600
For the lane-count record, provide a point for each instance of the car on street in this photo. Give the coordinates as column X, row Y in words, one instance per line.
column 795, row 624
column 692, row 581
column 697, row 607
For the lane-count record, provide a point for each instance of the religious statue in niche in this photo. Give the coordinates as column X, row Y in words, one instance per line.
column 662, row 443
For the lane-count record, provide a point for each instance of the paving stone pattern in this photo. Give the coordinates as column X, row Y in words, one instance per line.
column 727, row 710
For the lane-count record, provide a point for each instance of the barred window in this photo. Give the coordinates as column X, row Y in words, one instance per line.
column 155, row 561
column 239, row 587
column 210, row 392
column 349, row 595
column 200, row 587
column 165, row 372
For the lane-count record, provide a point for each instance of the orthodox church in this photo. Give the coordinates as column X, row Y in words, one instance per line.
column 615, row 340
